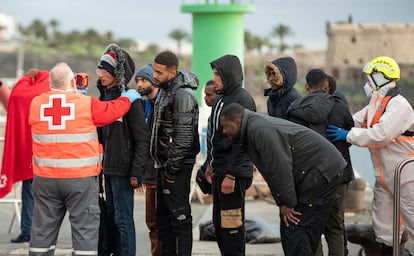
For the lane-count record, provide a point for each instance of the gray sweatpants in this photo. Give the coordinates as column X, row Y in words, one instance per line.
column 53, row 197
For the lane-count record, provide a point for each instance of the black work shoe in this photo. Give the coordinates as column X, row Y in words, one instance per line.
column 21, row 239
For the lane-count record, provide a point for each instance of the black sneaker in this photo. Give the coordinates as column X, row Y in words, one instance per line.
column 21, row 239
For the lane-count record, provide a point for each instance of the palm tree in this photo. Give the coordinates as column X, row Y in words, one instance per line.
column 178, row 35
column 249, row 42
column 91, row 36
column 281, row 31
column 108, row 37
column 39, row 29
column 151, row 50
column 54, row 24
column 259, row 42
column 73, row 37
column 125, row 43
column 253, row 42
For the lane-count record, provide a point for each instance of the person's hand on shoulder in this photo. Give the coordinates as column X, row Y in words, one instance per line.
column 334, row 133
column 82, row 91
column 131, row 94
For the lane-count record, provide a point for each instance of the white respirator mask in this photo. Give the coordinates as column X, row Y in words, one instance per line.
column 379, row 83
column 368, row 89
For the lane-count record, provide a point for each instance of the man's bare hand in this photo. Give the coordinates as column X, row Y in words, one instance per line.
column 134, row 182
column 209, row 173
column 227, row 186
column 289, row 215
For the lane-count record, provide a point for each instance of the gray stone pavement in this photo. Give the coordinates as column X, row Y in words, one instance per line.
column 201, row 212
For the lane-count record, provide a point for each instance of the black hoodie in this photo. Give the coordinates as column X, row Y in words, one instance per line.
column 226, row 156
column 126, row 141
column 320, row 109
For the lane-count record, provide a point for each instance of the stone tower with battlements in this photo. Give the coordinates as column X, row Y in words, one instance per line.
column 350, row 46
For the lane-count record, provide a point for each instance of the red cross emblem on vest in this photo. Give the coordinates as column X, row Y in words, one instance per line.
column 57, row 111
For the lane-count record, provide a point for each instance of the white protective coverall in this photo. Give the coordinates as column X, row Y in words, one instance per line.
column 388, row 147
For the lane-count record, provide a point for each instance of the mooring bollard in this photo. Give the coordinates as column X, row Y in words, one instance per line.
column 355, row 199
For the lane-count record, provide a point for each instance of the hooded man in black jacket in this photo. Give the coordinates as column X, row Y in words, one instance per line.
column 126, row 148
column 302, row 169
column 174, row 147
column 281, row 75
column 230, row 171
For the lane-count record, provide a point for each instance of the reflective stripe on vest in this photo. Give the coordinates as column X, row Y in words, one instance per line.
column 375, row 120
column 44, row 138
column 67, row 163
column 378, row 113
column 381, row 108
column 65, row 141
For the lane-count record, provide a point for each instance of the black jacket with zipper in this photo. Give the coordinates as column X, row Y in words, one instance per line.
column 224, row 155
column 320, row 109
column 127, row 142
column 174, row 136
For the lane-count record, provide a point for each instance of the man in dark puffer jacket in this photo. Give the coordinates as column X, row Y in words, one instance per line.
column 174, row 146
column 281, row 75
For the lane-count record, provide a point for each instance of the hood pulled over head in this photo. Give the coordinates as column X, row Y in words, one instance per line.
column 230, row 71
column 288, row 69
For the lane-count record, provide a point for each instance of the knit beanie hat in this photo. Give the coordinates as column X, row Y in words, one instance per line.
column 146, row 72
column 119, row 63
column 108, row 62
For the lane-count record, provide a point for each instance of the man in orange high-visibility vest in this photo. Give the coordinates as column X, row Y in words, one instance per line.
column 67, row 160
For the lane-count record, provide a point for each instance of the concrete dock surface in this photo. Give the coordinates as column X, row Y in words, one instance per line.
column 258, row 207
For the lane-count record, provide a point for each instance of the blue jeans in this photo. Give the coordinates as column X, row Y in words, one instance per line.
column 27, row 208
column 120, row 200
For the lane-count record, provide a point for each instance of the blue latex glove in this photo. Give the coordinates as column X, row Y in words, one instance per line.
column 335, row 133
column 132, row 95
column 84, row 91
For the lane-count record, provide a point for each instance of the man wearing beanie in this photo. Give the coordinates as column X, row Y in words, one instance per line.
column 126, row 147
column 281, row 75
column 146, row 87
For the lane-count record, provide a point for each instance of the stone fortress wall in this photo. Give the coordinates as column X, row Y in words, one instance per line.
column 352, row 45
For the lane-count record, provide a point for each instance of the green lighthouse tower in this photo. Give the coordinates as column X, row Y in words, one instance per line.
column 218, row 29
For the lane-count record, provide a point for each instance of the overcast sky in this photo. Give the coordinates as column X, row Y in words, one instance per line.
column 151, row 21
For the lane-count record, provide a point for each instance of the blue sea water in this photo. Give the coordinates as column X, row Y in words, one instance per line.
column 362, row 164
